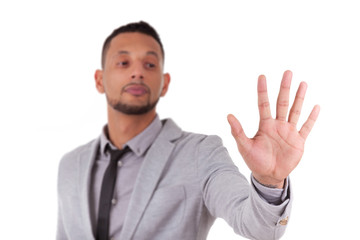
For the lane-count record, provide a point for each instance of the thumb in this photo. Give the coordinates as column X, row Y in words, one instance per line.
column 238, row 133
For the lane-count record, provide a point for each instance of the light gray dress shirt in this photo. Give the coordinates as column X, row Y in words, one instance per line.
column 128, row 168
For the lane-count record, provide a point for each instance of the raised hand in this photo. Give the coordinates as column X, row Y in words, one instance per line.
column 278, row 146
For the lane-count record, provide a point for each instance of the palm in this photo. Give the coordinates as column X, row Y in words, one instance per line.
column 278, row 146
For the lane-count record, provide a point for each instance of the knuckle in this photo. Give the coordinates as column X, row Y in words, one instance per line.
column 264, row 104
column 265, row 118
column 295, row 112
column 283, row 103
column 307, row 128
column 299, row 98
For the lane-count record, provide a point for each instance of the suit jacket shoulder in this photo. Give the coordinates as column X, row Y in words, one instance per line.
column 71, row 155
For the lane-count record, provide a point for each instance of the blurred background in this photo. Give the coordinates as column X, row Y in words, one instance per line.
column 215, row 50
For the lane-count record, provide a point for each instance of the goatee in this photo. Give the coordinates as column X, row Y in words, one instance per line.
column 130, row 109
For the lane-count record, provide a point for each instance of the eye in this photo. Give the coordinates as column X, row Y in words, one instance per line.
column 122, row 63
column 150, row 65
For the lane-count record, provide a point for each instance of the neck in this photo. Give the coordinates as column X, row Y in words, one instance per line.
column 123, row 127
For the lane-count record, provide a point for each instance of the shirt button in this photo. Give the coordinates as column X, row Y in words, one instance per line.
column 120, row 163
column 113, row 201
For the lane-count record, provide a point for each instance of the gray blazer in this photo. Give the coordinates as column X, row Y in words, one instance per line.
column 185, row 182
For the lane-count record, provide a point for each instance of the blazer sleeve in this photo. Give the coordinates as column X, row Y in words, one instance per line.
column 227, row 194
column 60, row 232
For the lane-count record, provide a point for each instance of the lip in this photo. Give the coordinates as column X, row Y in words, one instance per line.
column 136, row 90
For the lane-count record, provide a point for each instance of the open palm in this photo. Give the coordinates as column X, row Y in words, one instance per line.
column 278, row 146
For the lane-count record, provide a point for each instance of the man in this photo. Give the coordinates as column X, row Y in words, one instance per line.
column 167, row 183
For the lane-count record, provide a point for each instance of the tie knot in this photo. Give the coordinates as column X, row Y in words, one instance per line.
column 117, row 153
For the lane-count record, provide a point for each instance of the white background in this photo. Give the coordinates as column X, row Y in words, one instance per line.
column 215, row 51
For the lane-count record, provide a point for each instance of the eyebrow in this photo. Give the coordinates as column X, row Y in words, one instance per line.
column 152, row 53
column 147, row 53
column 122, row 52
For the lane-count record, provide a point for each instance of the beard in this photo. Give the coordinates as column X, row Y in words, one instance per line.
column 131, row 109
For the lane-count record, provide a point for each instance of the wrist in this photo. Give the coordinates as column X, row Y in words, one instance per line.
column 269, row 182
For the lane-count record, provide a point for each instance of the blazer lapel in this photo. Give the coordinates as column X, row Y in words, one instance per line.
column 148, row 176
column 86, row 161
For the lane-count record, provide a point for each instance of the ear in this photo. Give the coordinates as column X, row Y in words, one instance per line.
column 166, row 84
column 99, row 81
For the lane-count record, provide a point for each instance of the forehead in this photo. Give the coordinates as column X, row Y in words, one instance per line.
column 134, row 43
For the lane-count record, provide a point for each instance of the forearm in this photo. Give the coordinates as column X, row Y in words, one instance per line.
column 230, row 197
column 227, row 194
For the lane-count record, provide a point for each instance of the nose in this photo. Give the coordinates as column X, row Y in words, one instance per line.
column 137, row 72
column 137, row 76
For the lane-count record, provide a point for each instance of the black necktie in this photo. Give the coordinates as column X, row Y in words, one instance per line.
column 107, row 192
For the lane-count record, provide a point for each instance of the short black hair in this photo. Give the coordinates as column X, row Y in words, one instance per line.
column 140, row 27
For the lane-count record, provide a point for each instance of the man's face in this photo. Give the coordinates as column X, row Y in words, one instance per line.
column 133, row 78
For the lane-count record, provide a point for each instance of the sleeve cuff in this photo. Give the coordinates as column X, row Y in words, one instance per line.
column 273, row 196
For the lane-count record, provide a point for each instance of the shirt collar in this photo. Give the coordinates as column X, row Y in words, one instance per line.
column 138, row 144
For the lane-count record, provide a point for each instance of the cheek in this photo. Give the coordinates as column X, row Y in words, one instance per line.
column 157, row 88
column 155, row 83
column 113, row 83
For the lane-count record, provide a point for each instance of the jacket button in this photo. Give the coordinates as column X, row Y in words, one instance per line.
column 284, row 221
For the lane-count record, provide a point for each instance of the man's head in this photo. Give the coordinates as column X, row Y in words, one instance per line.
column 139, row 27
column 132, row 69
